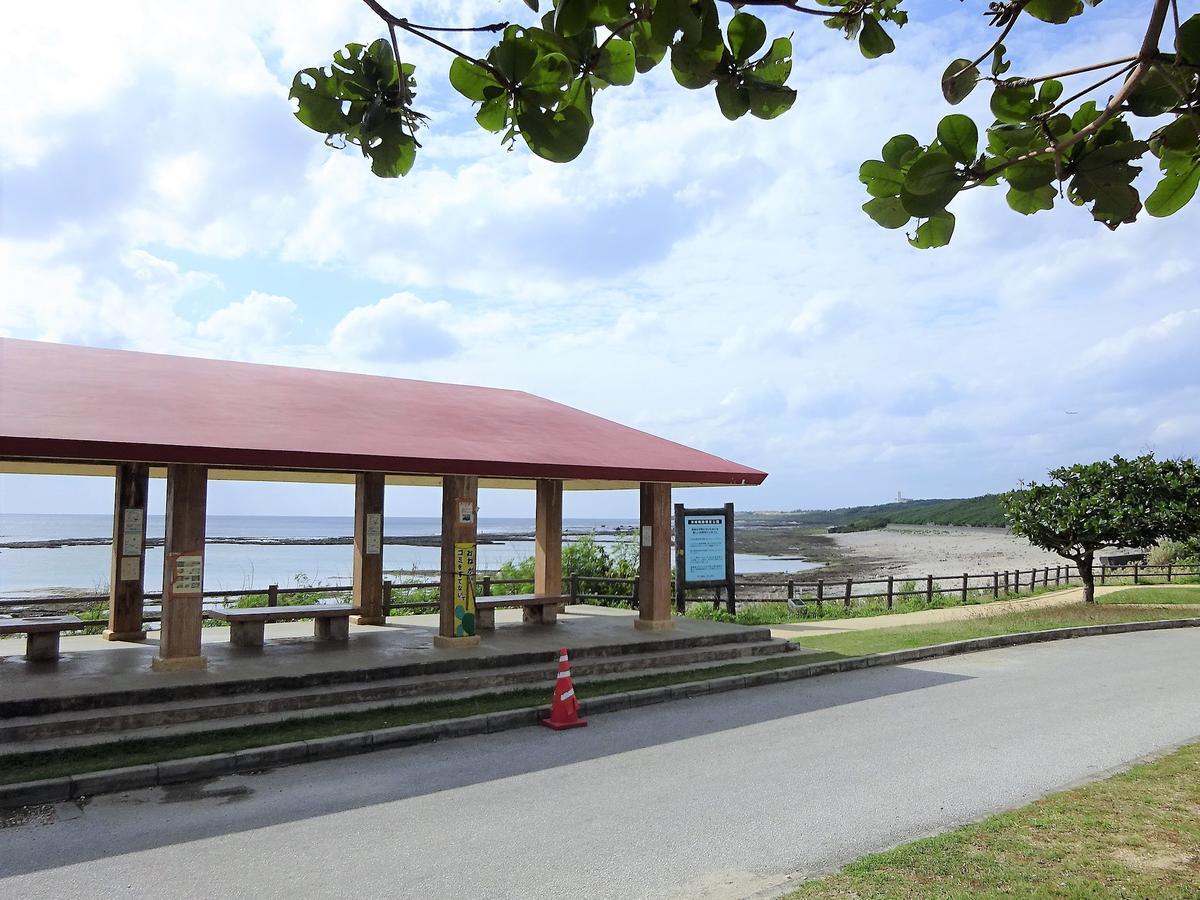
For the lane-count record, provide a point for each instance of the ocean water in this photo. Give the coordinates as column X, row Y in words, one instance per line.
column 26, row 572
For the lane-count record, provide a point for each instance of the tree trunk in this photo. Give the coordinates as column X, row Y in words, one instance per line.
column 1084, row 563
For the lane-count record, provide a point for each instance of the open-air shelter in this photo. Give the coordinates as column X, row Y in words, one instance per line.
column 135, row 416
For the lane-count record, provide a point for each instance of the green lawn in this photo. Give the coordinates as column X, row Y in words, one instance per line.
column 1134, row 835
column 1152, row 595
column 880, row 640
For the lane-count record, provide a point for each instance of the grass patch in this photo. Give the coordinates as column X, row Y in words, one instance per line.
column 1133, row 835
column 1152, row 595
column 881, row 640
column 778, row 613
column 54, row 763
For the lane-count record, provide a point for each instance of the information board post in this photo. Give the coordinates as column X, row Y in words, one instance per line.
column 704, row 552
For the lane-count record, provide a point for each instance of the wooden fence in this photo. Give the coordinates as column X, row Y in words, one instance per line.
column 607, row 590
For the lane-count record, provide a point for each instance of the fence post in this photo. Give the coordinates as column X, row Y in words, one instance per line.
column 574, row 587
column 995, row 585
column 820, row 592
column 1046, row 577
column 929, row 589
column 849, row 589
column 486, row 587
column 890, row 593
column 1006, row 590
column 387, row 598
column 1170, row 566
column 1135, row 573
column 272, row 595
column 964, row 588
column 791, row 586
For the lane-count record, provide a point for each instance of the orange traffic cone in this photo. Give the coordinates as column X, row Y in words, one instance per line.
column 564, row 710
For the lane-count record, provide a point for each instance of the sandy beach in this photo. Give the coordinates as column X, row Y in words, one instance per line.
column 909, row 551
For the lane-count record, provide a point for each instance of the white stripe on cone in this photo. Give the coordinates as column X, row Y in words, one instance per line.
column 567, row 694
column 566, row 673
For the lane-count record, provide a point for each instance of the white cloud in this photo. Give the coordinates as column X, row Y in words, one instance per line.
column 398, row 329
column 258, row 320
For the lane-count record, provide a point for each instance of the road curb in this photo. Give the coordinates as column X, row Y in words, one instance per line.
column 70, row 787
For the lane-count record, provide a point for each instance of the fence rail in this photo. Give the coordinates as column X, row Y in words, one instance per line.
column 847, row 592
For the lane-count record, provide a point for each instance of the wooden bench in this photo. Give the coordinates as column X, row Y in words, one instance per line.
column 331, row 622
column 540, row 609
column 42, row 633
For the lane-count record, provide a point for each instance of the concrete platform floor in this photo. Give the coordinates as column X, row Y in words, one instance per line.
column 90, row 664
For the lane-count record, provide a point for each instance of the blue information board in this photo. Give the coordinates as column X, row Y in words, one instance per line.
column 704, row 543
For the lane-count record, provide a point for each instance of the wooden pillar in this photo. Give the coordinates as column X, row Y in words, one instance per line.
column 654, row 561
column 368, row 548
column 126, row 592
column 547, row 560
column 460, row 505
column 183, row 571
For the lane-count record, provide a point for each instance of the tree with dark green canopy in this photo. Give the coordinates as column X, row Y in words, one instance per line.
column 1049, row 139
column 1112, row 503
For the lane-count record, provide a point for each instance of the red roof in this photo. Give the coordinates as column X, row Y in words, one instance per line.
column 65, row 403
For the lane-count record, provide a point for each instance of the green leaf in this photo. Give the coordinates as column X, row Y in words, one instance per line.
column 935, row 231
column 1153, row 94
column 1177, row 187
column 881, row 178
column 493, row 114
column 767, row 101
column 319, row 107
column 548, row 77
column 1050, row 91
column 649, row 52
column 1029, row 202
column 1013, row 103
column 691, row 67
column 959, row 80
column 776, row 66
column 473, row 81
column 514, row 55
column 571, row 16
column 960, row 136
column 1182, row 134
column 931, row 173
column 1055, row 12
column 616, row 64
column 887, row 211
column 391, row 149
column 747, row 34
column 999, row 64
column 558, row 136
column 733, row 100
column 895, row 150
column 873, row 41
column 1030, row 174
column 925, row 205
column 1189, row 40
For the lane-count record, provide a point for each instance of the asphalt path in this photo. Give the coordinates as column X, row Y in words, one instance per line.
column 720, row 796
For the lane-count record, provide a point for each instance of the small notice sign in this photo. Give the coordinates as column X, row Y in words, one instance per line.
column 373, row 533
column 704, row 538
column 188, row 574
column 133, row 526
column 131, row 569
column 466, row 512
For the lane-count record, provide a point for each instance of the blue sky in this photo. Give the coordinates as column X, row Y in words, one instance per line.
column 712, row 282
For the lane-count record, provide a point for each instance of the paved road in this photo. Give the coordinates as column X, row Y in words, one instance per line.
column 718, row 796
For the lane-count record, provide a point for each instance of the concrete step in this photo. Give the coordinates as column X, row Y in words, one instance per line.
column 87, row 727
column 427, row 668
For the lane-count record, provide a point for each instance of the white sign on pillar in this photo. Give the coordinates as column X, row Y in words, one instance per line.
column 373, row 539
column 132, row 526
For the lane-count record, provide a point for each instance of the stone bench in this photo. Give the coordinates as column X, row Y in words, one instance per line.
column 331, row 622
column 540, row 608
column 42, row 633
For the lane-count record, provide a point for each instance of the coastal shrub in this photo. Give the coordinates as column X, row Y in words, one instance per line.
column 585, row 558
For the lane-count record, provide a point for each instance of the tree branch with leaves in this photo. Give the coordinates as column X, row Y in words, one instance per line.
column 539, row 82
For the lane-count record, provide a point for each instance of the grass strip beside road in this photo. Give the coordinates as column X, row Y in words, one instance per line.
column 1135, row 834
column 905, row 637
column 1184, row 595
column 19, row 767
column 51, row 764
